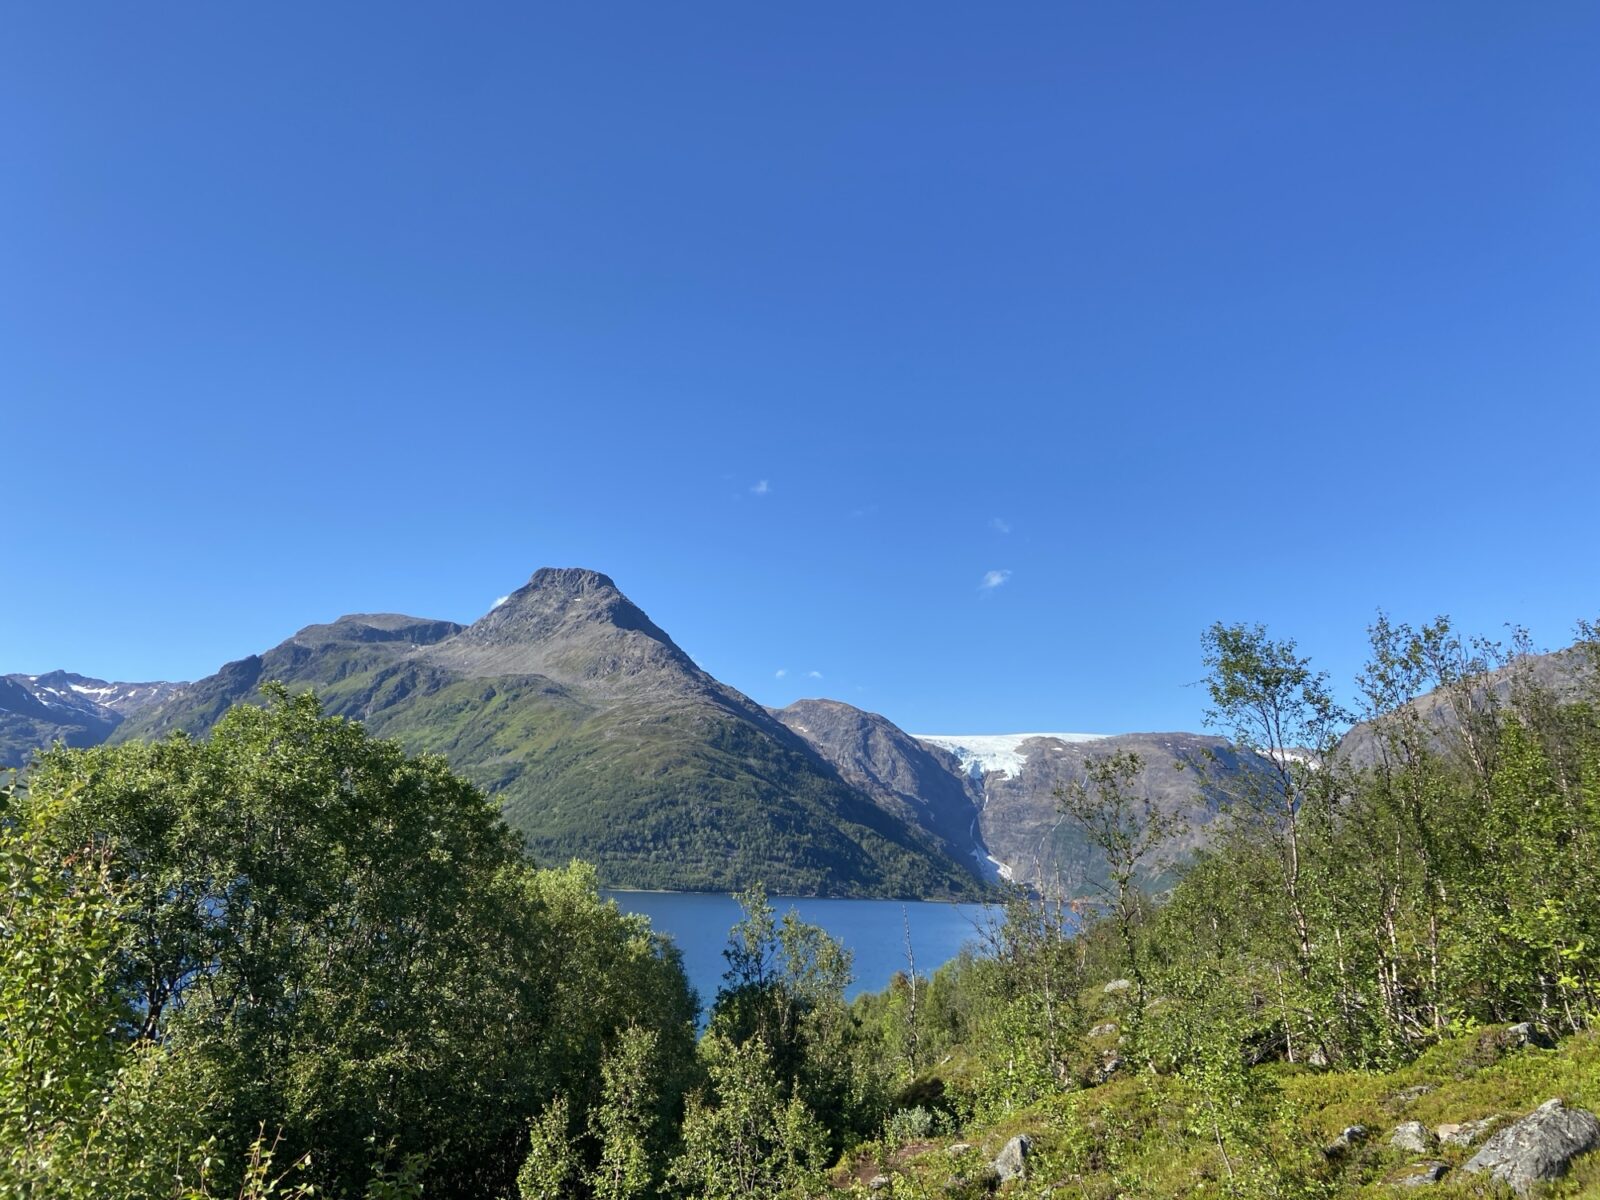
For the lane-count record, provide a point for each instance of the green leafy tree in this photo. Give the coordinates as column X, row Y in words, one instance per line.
column 1267, row 699
column 785, row 988
column 1127, row 827
column 742, row 1138
column 550, row 1169
column 332, row 938
column 624, row 1122
column 1031, row 1023
column 59, row 913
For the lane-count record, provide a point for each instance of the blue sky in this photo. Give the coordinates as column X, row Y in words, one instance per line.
column 802, row 322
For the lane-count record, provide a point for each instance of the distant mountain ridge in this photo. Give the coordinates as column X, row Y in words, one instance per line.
column 61, row 706
column 1011, row 784
column 603, row 741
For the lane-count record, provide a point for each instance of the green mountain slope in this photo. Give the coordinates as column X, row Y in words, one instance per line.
column 602, row 739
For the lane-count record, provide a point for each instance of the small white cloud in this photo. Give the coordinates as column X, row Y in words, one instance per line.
column 993, row 579
column 813, row 674
column 498, row 603
column 780, row 672
column 760, row 488
column 999, row 524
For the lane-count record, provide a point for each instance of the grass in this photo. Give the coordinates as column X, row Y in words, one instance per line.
column 1138, row 1137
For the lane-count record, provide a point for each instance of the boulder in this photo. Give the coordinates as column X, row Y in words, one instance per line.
column 1012, row 1161
column 1465, row 1133
column 1109, row 1066
column 1117, row 986
column 956, row 1149
column 1526, row 1033
column 878, row 1182
column 1104, row 1029
column 1412, row 1137
column 1410, row 1095
column 1538, row 1147
column 1349, row 1136
column 1421, row 1174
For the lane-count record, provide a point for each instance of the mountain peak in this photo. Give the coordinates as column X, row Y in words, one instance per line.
column 572, row 625
column 571, row 579
column 558, row 599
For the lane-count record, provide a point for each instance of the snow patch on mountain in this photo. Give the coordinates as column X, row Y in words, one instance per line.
column 981, row 753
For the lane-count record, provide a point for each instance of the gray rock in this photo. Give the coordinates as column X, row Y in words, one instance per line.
column 1104, row 1029
column 1109, row 1066
column 1411, row 1095
column 1012, row 1161
column 1349, row 1136
column 878, row 1182
column 957, row 1149
column 1421, row 1174
column 1538, row 1147
column 1116, row 985
column 1412, row 1137
column 1465, row 1133
column 1526, row 1034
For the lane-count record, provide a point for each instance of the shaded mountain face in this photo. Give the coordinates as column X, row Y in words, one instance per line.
column 921, row 783
column 36, row 710
column 602, row 740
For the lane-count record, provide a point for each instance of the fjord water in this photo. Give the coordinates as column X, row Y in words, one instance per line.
column 874, row 931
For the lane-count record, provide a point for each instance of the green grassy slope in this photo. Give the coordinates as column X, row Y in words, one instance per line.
column 1149, row 1136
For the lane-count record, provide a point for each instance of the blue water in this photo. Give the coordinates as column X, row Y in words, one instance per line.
column 873, row 930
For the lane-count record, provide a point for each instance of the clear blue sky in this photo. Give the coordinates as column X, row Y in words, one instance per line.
column 800, row 320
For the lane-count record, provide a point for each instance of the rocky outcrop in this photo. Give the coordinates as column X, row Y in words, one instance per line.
column 1421, row 1174
column 1012, row 1161
column 1349, row 1137
column 1537, row 1148
column 1465, row 1133
column 1412, row 1137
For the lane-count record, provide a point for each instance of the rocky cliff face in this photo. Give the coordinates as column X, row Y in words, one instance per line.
column 1003, row 789
column 1021, row 815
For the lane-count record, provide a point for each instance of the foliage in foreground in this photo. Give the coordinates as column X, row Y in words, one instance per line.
column 291, row 956
column 293, row 930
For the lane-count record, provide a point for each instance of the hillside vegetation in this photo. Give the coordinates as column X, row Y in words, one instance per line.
column 291, row 956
